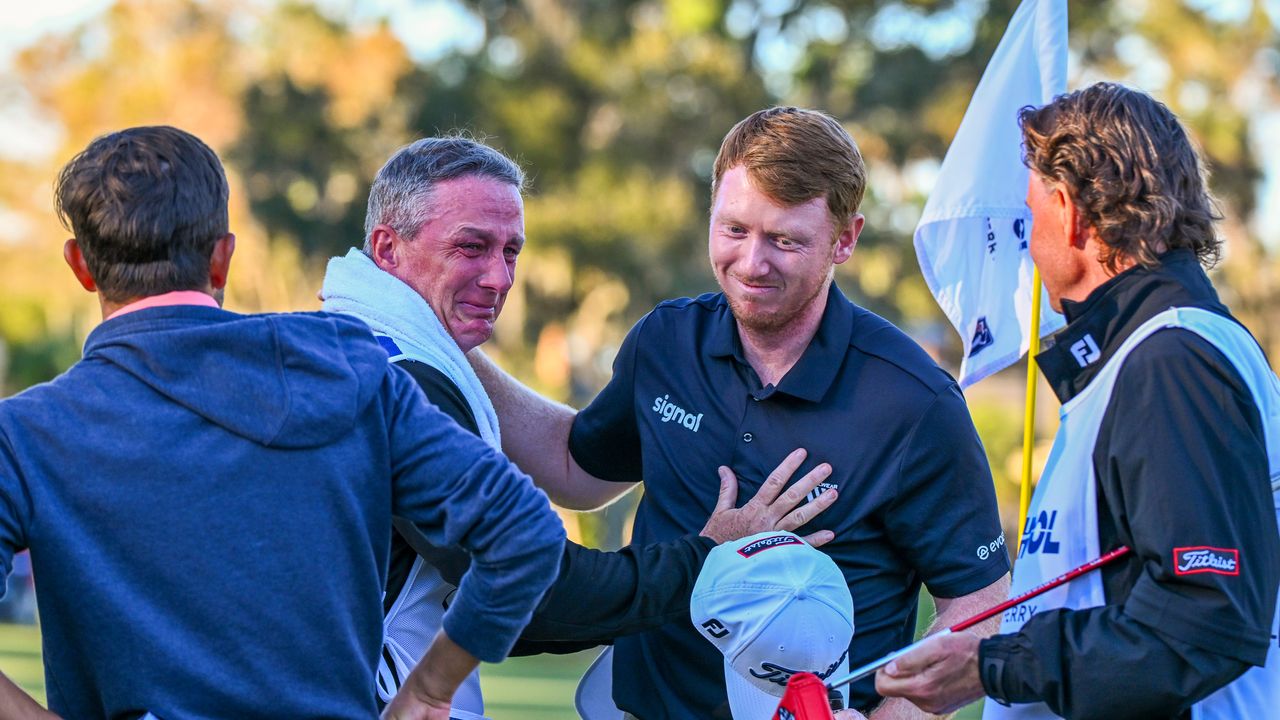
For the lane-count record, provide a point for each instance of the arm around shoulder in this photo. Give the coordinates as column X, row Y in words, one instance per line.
column 457, row 490
column 535, row 435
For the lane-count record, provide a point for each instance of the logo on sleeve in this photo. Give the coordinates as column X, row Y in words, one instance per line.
column 770, row 542
column 1202, row 559
column 986, row 551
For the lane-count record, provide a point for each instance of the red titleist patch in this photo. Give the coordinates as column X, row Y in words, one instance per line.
column 770, row 542
column 1204, row 559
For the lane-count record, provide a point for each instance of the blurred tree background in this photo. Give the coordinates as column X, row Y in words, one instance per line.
column 616, row 109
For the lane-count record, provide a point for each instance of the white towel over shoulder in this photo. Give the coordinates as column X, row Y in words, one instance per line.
column 354, row 285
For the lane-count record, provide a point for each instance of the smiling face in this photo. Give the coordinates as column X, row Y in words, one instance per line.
column 463, row 259
column 774, row 262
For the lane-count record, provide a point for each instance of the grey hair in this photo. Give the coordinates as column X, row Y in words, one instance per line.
column 401, row 192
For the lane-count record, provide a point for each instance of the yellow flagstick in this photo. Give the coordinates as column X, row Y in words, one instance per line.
column 1029, row 419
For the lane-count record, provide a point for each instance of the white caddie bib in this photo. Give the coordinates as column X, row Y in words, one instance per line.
column 417, row 615
column 408, row 629
column 1061, row 530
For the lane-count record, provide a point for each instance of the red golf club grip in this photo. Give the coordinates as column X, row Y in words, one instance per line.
column 805, row 699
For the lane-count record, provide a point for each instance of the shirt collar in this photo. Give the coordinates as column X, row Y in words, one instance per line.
column 1099, row 324
column 723, row 340
column 814, row 373
column 177, row 297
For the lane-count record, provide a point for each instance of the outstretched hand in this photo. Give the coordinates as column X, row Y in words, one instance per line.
column 771, row 508
column 941, row 676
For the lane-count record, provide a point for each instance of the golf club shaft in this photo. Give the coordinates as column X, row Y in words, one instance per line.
column 874, row 665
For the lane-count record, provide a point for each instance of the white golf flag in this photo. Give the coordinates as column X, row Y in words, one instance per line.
column 972, row 237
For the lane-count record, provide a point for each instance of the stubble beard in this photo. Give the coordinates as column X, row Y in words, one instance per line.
column 775, row 321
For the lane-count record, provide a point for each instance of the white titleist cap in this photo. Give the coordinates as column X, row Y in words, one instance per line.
column 774, row 607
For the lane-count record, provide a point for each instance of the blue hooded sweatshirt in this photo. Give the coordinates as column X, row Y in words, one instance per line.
column 208, row 498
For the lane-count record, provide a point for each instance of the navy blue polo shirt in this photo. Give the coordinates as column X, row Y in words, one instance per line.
column 916, row 498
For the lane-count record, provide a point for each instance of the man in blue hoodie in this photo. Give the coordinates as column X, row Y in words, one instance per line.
column 208, row 496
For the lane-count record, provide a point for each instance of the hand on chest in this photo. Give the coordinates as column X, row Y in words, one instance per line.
column 687, row 435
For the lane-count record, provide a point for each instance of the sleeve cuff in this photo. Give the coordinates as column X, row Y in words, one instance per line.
column 999, row 658
column 991, row 662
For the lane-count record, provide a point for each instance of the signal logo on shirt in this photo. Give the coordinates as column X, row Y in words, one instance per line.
column 1203, row 559
column 670, row 412
column 1037, row 537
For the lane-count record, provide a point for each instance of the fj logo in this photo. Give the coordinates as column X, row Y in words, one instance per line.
column 1085, row 350
column 670, row 412
column 715, row 628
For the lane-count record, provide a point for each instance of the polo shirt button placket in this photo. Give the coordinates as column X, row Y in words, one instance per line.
column 747, row 437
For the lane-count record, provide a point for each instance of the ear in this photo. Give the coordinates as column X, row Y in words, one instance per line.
column 1075, row 231
column 847, row 239
column 220, row 260
column 384, row 247
column 75, row 260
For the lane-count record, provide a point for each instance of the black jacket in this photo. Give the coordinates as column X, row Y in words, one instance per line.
column 1180, row 461
column 598, row 595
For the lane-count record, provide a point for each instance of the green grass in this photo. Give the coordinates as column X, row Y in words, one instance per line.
column 20, row 658
column 532, row 688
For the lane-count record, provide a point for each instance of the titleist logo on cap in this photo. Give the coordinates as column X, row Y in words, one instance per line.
column 770, row 542
column 1202, row 559
column 779, row 675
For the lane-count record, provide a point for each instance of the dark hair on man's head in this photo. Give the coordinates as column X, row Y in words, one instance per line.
column 146, row 206
column 1130, row 168
column 795, row 155
column 401, row 192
